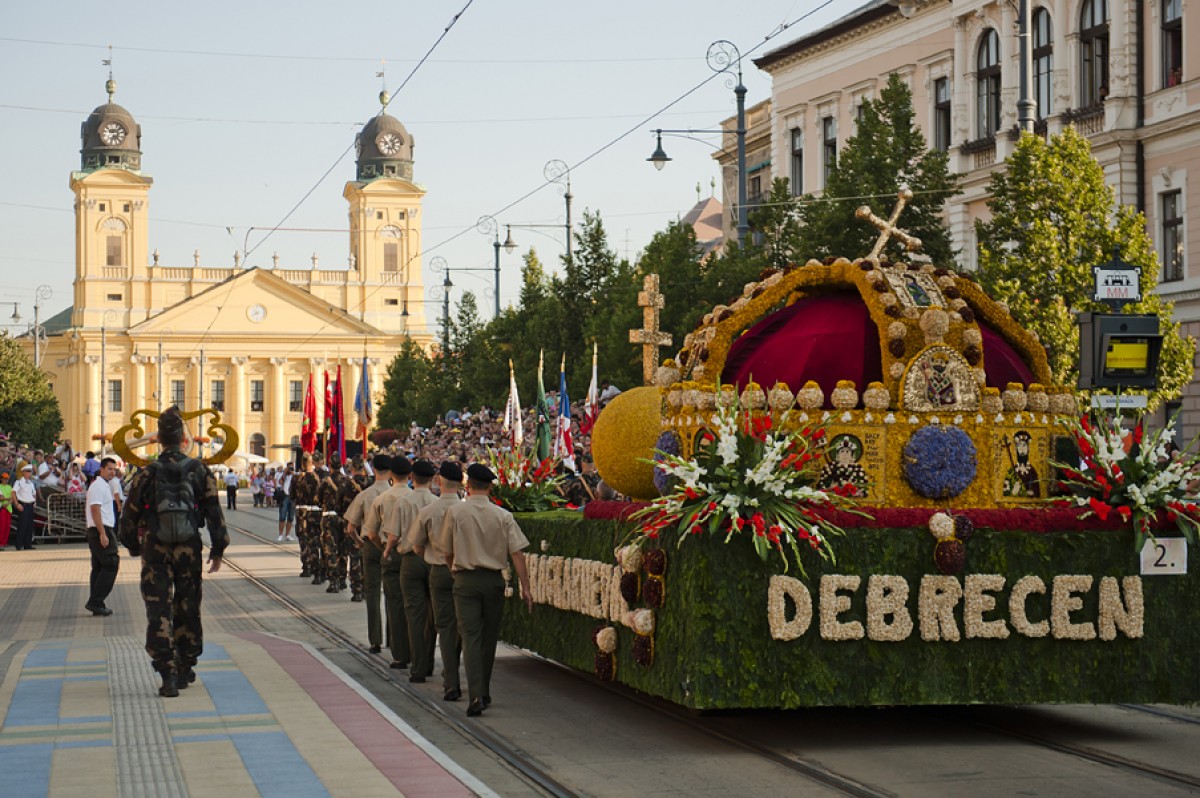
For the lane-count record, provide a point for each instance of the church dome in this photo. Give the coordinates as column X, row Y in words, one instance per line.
column 385, row 148
column 111, row 137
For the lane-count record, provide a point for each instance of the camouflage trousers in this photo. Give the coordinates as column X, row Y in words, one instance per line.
column 334, row 549
column 356, row 567
column 308, row 529
column 171, row 588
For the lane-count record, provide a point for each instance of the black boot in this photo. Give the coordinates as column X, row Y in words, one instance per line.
column 170, row 688
column 185, row 678
column 333, row 588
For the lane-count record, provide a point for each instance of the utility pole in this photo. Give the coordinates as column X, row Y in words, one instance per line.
column 1026, row 105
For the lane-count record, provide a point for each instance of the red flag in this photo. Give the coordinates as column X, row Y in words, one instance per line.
column 339, row 418
column 328, row 404
column 308, row 428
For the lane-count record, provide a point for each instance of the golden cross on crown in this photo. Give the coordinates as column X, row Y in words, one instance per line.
column 887, row 227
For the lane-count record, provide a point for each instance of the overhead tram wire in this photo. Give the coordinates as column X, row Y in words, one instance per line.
column 603, row 148
column 246, row 251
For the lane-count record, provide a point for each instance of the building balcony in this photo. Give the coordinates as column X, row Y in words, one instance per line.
column 1088, row 121
column 982, row 151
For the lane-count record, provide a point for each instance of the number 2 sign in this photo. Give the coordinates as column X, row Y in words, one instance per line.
column 1164, row 556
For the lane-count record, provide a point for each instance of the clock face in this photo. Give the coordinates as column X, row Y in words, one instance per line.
column 256, row 313
column 112, row 134
column 389, row 143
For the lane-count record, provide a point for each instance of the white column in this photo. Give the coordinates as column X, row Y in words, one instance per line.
column 235, row 397
column 278, row 405
column 91, row 404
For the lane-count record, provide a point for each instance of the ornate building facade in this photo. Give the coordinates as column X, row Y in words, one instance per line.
column 141, row 334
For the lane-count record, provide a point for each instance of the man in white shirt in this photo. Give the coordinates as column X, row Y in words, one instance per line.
column 118, row 496
column 231, row 489
column 101, row 537
column 24, row 502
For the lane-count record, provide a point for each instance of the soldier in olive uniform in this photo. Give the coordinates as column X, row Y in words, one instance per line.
column 332, row 533
column 479, row 538
column 370, row 550
column 441, row 585
column 373, row 526
column 308, row 516
column 356, row 484
column 412, row 604
column 171, row 572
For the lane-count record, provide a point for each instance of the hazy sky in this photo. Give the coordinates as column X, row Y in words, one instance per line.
column 245, row 105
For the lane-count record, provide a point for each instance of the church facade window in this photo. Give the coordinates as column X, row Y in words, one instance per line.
column 1093, row 52
column 987, row 85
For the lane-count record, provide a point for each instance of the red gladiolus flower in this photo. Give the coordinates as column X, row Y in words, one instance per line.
column 1124, row 512
column 652, row 534
column 818, row 435
column 1100, row 508
column 691, row 494
column 1083, row 422
column 1085, row 448
column 1171, row 515
column 1137, row 433
column 697, row 529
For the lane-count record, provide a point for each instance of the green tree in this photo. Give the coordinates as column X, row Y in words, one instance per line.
column 674, row 256
column 776, row 227
column 1053, row 219
column 28, row 409
column 408, row 393
column 887, row 150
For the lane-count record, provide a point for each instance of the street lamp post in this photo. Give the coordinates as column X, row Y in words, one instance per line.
column 447, row 284
column 43, row 292
column 723, row 56
column 1026, row 105
column 487, row 225
column 555, row 172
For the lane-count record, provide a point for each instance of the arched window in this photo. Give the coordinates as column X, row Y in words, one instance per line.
column 1043, row 62
column 1172, row 42
column 258, row 444
column 987, row 93
column 1093, row 52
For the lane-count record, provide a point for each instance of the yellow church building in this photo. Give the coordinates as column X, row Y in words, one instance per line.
column 141, row 334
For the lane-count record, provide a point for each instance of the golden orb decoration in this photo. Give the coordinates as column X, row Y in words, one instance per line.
column 624, row 436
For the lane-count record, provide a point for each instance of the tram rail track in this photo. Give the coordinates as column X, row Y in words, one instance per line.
column 808, row 769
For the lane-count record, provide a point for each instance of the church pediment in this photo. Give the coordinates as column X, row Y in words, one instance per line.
column 254, row 303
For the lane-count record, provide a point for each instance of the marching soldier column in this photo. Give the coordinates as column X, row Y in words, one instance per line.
column 305, row 488
column 369, row 550
column 411, row 601
column 381, row 510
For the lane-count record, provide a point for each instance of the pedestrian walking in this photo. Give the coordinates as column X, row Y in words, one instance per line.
column 287, row 507
column 102, row 537
column 169, row 501
column 231, row 489
column 479, row 538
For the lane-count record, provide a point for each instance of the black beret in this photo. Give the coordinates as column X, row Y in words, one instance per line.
column 424, row 468
column 450, row 471
column 401, row 465
column 381, row 462
column 480, row 473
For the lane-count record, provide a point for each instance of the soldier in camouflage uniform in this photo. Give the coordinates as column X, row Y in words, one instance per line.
column 171, row 572
column 308, row 516
column 349, row 491
column 581, row 488
column 332, row 530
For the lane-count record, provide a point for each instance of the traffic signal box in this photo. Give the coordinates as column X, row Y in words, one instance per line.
column 1118, row 351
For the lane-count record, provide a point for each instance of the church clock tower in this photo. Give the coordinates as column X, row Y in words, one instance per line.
column 111, row 219
column 385, row 227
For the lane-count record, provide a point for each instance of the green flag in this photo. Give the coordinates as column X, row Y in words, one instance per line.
column 542, row 428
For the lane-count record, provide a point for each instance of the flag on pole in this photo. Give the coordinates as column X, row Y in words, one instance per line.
column 564, row 447
column 339, row 418
column 362, row 403
column 327, row 418
column 513, row 427
column 542, row 427
column 591, row 405
column 308, row 428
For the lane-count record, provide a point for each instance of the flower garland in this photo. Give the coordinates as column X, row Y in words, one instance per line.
column 523, row 484
column 750, row 479
column 1134, row 485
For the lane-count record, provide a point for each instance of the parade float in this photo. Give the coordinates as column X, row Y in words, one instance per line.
column 853, row 486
